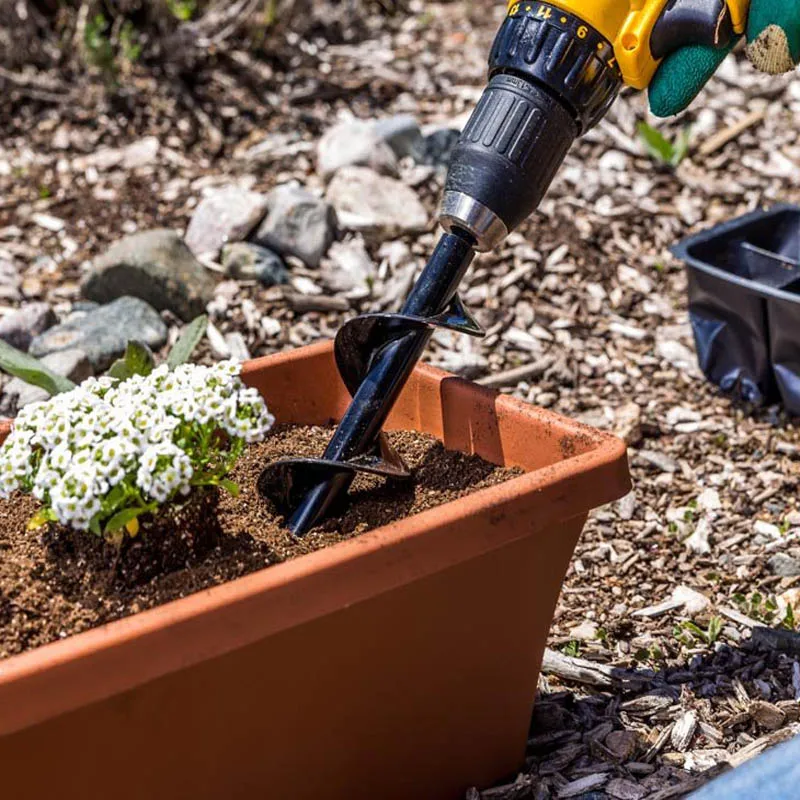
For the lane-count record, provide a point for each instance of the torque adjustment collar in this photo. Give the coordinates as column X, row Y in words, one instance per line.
column 560, row 52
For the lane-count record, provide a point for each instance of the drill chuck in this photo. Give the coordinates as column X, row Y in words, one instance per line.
column 551, row 78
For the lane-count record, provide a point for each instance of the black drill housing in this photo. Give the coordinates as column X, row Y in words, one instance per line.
column 552, row 77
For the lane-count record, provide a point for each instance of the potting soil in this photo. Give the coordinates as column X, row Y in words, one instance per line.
column 59, row 582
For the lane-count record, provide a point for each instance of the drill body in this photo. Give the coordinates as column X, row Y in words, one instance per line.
column 554, row 70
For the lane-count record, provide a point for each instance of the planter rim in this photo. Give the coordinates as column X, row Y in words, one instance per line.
column 281, row 596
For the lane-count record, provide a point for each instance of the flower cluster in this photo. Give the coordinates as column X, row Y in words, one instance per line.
column 101, row 455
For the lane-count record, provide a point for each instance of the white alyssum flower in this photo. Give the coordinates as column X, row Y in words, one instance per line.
column 108, row 447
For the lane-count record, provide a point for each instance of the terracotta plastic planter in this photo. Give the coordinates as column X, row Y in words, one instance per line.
column 401, row 664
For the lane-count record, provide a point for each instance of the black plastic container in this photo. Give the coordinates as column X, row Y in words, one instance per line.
column 744, row 304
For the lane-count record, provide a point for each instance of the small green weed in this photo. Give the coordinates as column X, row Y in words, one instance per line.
column 660, row 149
column 766, row 610
column 184, row 10
column 97, row 43
column 688, row 632
column 129, row 45
column 572, row 648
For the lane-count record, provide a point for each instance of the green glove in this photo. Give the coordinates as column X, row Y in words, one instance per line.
column 773, row 36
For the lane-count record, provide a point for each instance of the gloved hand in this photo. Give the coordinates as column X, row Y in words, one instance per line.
column 773, row 45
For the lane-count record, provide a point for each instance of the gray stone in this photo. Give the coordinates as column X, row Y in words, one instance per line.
column 354, row 142
column 401, row 133
column 436, row 150
column 155, row 266
column 9, row 280
column 20, row 327
column 225, row 215
column 104, row 333
column 365, row 201
column 784, row 565
column 297, row 224
column 72, row 364
column 251, row 262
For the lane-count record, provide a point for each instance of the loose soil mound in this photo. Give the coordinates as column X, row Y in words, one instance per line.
column 62, row 582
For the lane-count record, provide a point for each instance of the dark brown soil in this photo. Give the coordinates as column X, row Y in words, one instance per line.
column 61, row 582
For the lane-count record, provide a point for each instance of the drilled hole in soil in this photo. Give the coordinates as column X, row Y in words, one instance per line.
column 61, row 582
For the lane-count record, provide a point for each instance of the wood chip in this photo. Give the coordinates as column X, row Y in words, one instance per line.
column 760, row 745
column 303, row 303
column 683, row 731
column 721, row 138
column 511, row 377
column 590, row 673
column 582, row 785
column 767, row 715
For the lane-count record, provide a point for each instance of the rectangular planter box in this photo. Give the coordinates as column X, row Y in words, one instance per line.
column 400, row 664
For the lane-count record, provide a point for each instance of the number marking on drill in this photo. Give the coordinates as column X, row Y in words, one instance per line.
column 583, row 32
column 545, row 12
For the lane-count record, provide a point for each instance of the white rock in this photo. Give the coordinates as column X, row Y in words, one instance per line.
column 633, row 279
column 626, row 506
column 698, row 541
column 677, row 354
column 613, row 160
column 708, row 500
column 628, row 331
column 586, row 631
column 766, row 529
column 365, row 201
column 349, row 267
column 270, row 326
column 135, row 155
column 237, row 345
column 217, row 341
column 224, row 215
column 678, row 414
column 48, row 222
column 693, row 601
column 354, row 143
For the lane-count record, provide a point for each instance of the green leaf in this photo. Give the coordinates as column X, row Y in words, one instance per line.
column 42, row 517
column 681, row 147
column 114, row 498
column 189, row 339
column 121, row 519
column 714, row 629
column 32, row 371
column 94, row 525
column 655, row 143
column 660, row 148
column 138, row 360
column 230, row 487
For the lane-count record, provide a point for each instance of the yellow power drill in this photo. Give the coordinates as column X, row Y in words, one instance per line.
column 554, row 70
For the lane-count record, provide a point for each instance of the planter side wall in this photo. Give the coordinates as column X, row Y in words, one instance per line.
column 429, row 403
column 314, row 712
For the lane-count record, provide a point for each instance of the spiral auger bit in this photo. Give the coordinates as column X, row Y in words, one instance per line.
column 551, row 78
